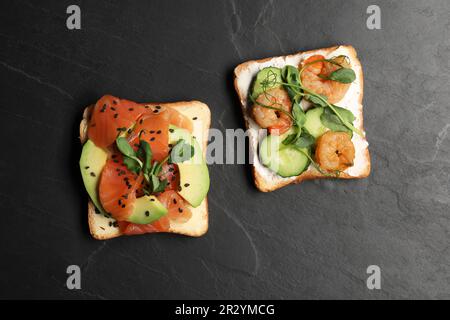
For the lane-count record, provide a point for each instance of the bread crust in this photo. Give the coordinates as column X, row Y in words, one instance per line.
column 98, row 232
column 262, row 183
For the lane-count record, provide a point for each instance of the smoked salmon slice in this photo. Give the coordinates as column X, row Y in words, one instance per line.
column 110, row 117
column 177, row 207
column 153, row 128
column 161, row 225
column 178, row 212
column 179, row 120
column 117, row 188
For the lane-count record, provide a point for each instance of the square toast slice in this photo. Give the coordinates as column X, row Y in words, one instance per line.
column 267, row 180
column 99, row 225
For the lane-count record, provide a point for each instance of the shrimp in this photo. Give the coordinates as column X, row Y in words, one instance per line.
column 311, row 79
column 277, row 122
column 335, row 151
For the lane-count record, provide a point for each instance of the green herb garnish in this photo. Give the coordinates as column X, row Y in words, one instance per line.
column 140, row 161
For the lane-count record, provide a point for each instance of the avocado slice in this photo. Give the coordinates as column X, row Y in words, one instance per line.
column 146, row 210
column 92, row 161
column 271, row 74
column 194, row 175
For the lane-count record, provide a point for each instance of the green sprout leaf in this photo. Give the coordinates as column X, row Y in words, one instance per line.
column 342, row 75
column 305, row 140
column 161, row 186
column 146, row 150
column 316, row 99
column 132, row 165
column 298, row 114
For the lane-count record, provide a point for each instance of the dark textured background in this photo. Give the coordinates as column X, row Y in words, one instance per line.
column 313, row 240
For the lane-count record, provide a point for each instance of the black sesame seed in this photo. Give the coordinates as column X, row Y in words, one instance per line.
column 158, row 132
column 115, row 101
column 171, row 169
column 152, row 199
column 121, row 129
column 113, row 109
column 158, row 107
column 170, row 145
column 110, row 223
column 186, row 185
column 179, row 188
column 146, row 107
column 155, row 111
column 147, row 213
column 130, row 109
column 152, row 139
column 87, row 167
column 140, row 121
column 116, row 115
column 123, row 206
column 152, row 131
column 116, row 224
column 97, row 211
column 120, row 202
column 194, row 118
column 170, row 130
column 102, row 228
column 92, row 174
column 103, row 109
column 174, row 201
column 180, row 210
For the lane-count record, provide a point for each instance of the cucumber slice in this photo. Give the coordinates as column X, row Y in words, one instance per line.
column 286, row 161
column 271, row 75
column 313, row 124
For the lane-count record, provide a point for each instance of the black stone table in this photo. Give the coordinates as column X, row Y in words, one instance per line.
column 313, row 240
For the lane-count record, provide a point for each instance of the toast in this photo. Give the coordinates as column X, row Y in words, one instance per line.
column 102, row 227
column 267, row 180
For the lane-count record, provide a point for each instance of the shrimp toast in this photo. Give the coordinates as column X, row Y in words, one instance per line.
column 104, row 227
column 267, row 180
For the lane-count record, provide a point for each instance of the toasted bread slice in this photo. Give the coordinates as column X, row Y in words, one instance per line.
column 102, row 227
column 267, row 180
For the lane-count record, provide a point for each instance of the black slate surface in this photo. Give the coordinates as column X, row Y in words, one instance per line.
column 313, row 240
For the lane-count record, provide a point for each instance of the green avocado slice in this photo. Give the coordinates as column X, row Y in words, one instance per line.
column 92, row 161
column 194, row 175
column 147, row 209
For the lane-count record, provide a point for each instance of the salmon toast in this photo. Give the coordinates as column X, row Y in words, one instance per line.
column 144, row 168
